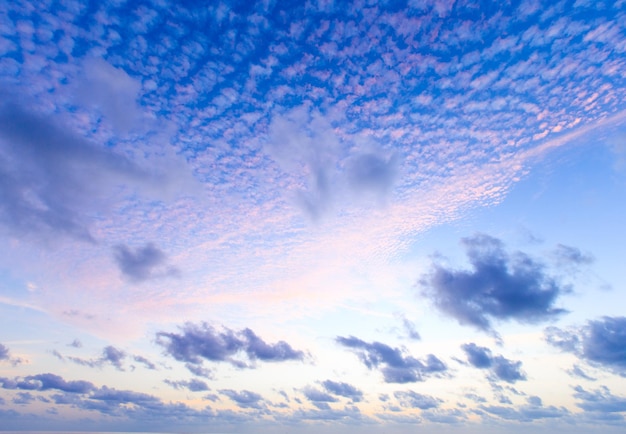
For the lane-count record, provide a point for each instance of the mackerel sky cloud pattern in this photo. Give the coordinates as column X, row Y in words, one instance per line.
column 246, row 215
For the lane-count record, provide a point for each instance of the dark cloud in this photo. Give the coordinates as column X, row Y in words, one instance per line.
column 501, row 367
column 143, row 263
column 343, row 389
column 600, row 342
column 410, row 399
column 501, row 286
column 395, row 366
column 200, row 342
column 244, row 398
column 50, row 178
column 193, row 385
column 600, row 400
column 76, row 344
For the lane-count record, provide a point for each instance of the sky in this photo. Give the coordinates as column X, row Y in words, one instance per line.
column 316, row 216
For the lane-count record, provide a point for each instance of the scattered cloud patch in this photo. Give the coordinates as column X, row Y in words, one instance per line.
column 411, row 399
column 5, row 355
column 533, row 410
column 47, row 382
column 501, row 367
column 600, row 400
column 395, row 365
column 572, row 256
column 244, row 398
column 202, row 342
column 501, row 286
column 193, row 385
column 601, row 343
column 52, row 178
column 343, row 389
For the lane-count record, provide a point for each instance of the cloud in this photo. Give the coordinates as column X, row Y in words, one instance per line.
column 4, row 353
column 143, row 263
column 111, row 91
column 110, row 355
column 244, row 398
column 193, row 385
column 410, row 399
column 23, row 398
column 501, row 367
column 343, row 389
column 395, row 366
column 577, row 371
column 501, row 286
column 410, row 330
column 566, row 255
column 147, row 363
column 600, row 400
column 113, row 356
column 51, row 180
column 317, row 396
column 200, row 342
column 601, row 343
column 533, row 410
column 47, row 382
column 372, row 173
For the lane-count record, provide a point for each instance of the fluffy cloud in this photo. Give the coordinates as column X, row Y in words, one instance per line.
column 501, row 367
column 394, row 364
column 501, row 286
column 200, row 342
column 601, row 343
column 143, row 263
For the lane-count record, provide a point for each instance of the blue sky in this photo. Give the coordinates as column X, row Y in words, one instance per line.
column 313, row 216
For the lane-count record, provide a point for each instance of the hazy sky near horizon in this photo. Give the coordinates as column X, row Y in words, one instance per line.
column 383, row 216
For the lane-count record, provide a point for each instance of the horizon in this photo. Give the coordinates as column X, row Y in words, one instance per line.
column 320, row 216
